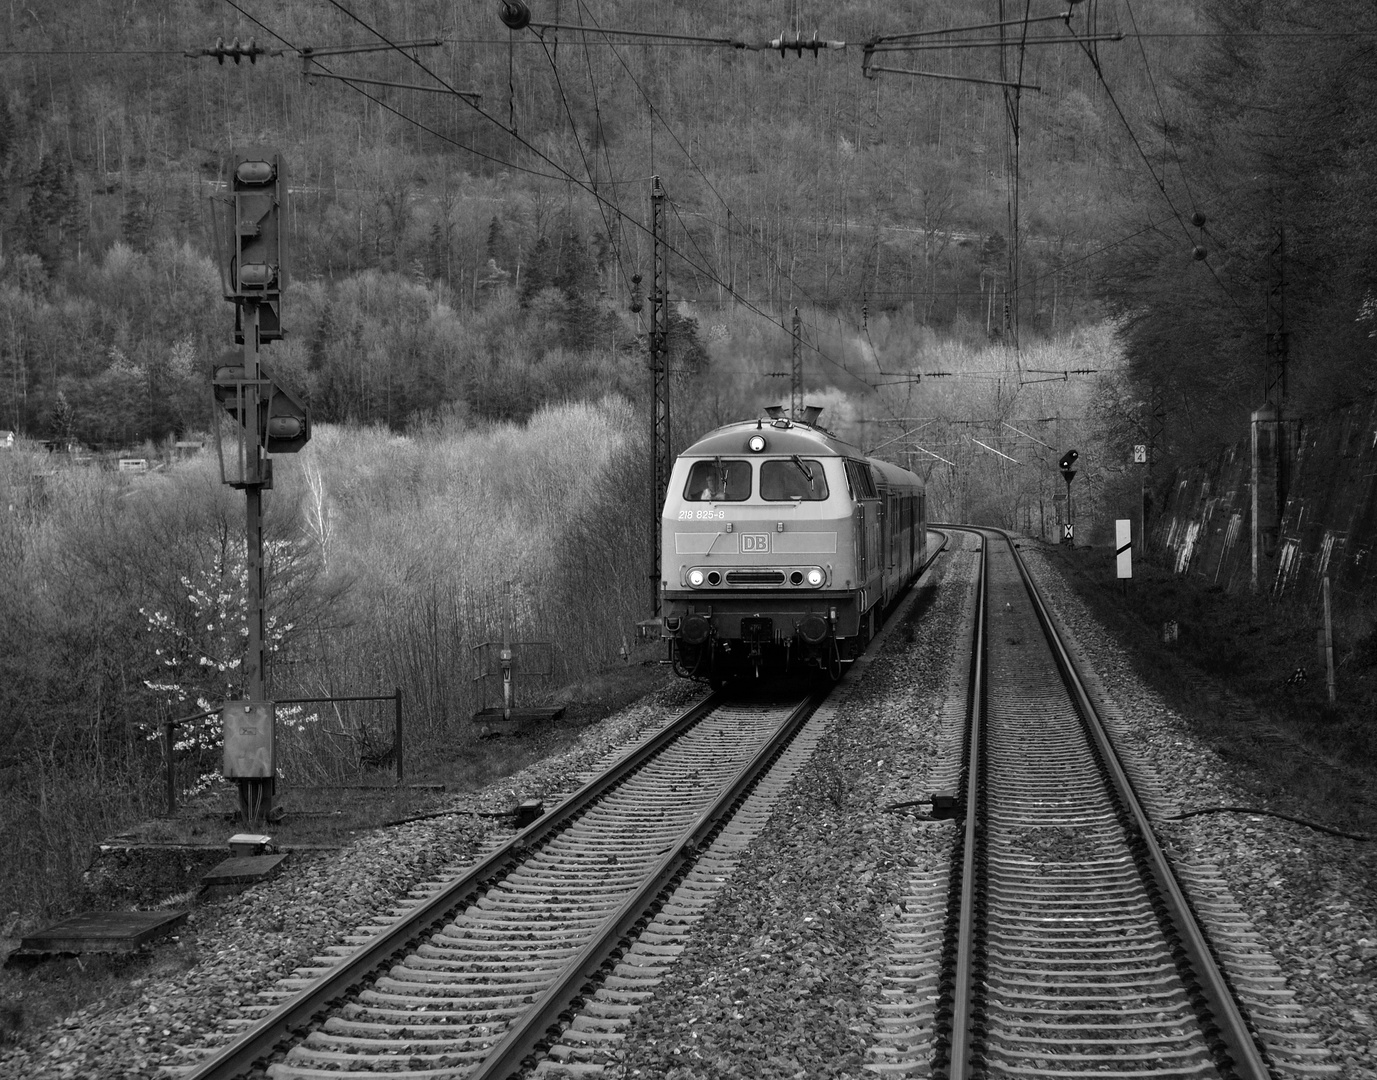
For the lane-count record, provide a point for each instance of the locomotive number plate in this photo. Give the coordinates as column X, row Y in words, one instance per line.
column 755, row 543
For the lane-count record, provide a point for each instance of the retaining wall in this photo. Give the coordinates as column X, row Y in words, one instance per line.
column 1328, row 524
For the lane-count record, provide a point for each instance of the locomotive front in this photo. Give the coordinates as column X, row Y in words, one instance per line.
column 759, row 552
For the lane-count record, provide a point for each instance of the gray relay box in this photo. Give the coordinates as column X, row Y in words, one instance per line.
column 250, row 739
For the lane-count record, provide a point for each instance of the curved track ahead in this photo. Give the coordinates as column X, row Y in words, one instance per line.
column 1073, row 949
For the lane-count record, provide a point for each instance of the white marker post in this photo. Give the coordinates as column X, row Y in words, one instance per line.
column 1123, row 548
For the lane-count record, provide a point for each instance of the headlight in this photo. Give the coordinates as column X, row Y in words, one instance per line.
column 695, row 578
column 756, row 443
column 815, row 576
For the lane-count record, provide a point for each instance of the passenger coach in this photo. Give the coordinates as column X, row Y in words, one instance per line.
column 782, row 545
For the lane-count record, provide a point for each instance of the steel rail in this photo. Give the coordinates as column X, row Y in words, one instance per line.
column 962, row 1034
column 1245, row 1055
column 293, row 1015
column 523, row 1039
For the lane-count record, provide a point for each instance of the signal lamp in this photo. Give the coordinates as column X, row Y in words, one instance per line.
column 256, row 275
column 255, row 172
column 285, row 427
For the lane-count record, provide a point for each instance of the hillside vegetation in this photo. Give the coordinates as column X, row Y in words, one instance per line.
column 389, row 560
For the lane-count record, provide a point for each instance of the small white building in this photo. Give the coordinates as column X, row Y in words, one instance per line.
column 6, row 440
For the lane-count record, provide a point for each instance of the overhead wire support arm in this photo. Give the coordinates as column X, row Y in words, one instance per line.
column 310, row 69
column 474, row 95
column 308, row 52
column 1055, row 374
column 605, row 31
column 932, row 40
column 939, row 457
column 870, row 70
column 992, row 450
column 965, row 29
column 871, row 451
column 984, row 43
column 1034, row 438
column 903, row 378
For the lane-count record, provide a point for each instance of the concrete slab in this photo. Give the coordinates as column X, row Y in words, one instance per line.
column 493, row 722
column 98, row 932
column 244, row 870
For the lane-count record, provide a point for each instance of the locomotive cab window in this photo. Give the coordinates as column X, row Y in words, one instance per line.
column 719, row 480
column 862, row 482
column 792, row 479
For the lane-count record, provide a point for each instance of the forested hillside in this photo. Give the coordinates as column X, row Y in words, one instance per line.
column 483, row 256
column 1204, row 181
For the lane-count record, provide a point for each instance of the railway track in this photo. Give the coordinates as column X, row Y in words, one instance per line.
column 1060, row 944
column 473, row 979
column 1070, row 948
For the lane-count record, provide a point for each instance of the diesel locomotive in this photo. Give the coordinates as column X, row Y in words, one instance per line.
column 781, row 546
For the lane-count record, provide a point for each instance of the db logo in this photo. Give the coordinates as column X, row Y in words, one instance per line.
column 755, row 543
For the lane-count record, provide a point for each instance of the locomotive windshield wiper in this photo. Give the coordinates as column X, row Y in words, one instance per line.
column 802, row 467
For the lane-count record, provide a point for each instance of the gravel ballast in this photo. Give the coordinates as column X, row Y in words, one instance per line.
column 791, row 972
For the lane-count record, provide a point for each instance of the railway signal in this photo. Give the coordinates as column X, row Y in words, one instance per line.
column 1068, row 460
column 270, row 421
